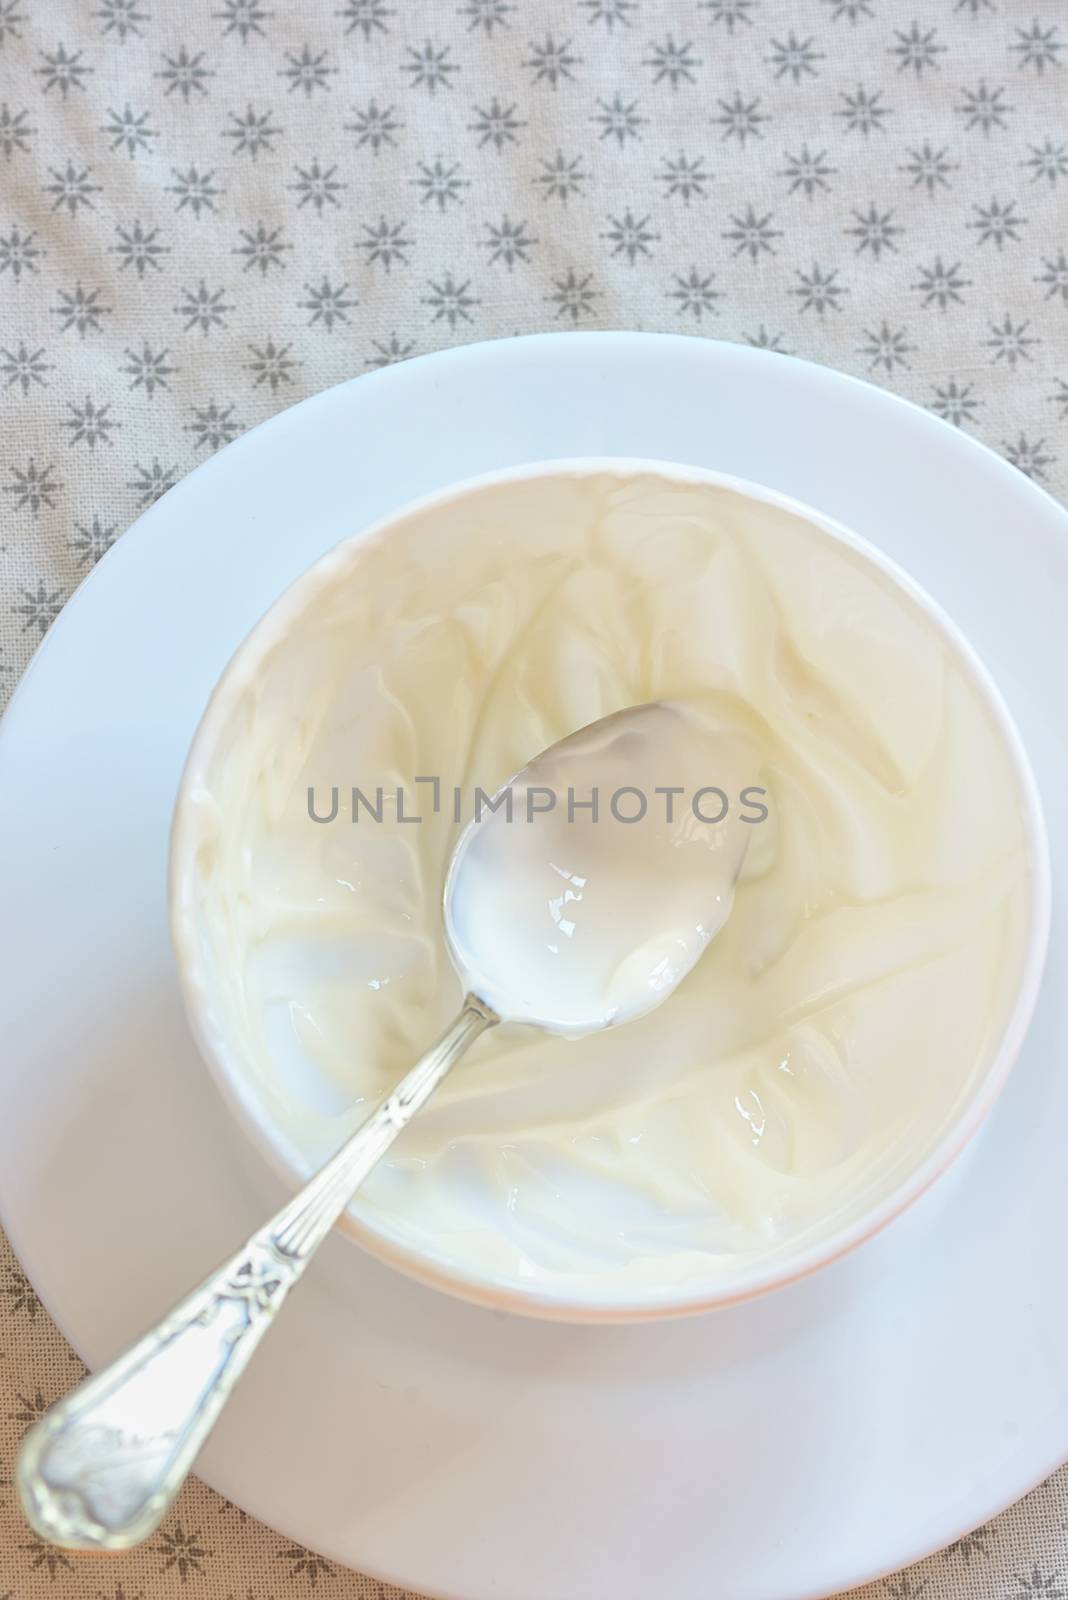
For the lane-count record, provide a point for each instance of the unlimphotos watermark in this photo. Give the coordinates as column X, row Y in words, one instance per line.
column 629, row 803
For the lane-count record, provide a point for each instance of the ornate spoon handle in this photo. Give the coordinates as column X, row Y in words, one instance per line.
column 100, row 1470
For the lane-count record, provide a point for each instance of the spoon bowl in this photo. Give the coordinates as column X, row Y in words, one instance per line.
column 586, row 888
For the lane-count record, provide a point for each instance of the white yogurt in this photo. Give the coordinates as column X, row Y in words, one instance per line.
column 831, row 1031
column 595, row 882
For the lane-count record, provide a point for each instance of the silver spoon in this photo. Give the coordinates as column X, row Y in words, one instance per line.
column 603, row 917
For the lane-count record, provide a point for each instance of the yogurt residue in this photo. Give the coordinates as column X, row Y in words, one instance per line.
column 846, row 1007
column 592, row 886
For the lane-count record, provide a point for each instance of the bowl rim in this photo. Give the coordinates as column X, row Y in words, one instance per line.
column 646, row 1303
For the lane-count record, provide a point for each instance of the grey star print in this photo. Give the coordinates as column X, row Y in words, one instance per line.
column 148, row 369
column 327, row 303
column 252, row 131
column 374, row 126
column 694, row 294
column 129, row 130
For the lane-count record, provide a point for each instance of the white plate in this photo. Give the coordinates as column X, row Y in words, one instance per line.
column 776, row 1451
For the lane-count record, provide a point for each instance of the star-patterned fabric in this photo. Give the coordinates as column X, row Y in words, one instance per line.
column 211, row 209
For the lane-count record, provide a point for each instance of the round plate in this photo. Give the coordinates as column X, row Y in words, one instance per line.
column 779, row 1450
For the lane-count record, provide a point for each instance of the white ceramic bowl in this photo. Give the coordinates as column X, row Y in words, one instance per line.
column 202, row 982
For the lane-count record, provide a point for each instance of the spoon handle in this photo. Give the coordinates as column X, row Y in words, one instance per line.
column 101, row 1468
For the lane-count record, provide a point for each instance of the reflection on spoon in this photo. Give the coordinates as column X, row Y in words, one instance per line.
column 596, row 877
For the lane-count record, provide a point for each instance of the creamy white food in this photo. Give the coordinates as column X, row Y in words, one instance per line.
column 832, row 1030
column 581, row 895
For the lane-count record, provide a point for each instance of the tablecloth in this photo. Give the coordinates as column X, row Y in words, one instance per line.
column 209, row 210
